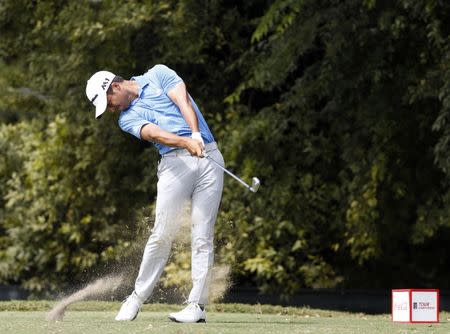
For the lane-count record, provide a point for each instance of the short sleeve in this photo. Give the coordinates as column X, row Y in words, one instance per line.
column 167, row 78
column 132, row 123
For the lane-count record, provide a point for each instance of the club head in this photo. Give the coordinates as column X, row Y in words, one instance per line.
column 255, row 184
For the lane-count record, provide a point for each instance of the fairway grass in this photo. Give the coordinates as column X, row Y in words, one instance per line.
column 98, row 317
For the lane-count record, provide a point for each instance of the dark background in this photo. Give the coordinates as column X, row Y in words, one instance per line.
column 339, row 107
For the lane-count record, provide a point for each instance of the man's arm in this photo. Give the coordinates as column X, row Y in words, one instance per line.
column 152, row 132
column 180, row 97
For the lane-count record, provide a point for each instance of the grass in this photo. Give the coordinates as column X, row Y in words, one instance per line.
column 97, row 317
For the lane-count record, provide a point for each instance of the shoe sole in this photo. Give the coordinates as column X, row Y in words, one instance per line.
column 181, row 322
column 129, row 319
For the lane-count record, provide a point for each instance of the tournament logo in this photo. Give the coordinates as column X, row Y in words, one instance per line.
column 401, row 306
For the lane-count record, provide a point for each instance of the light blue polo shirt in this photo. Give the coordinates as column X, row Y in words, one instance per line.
column 153, row 105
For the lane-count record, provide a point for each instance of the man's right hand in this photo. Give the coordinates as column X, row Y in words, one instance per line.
column 194, row 147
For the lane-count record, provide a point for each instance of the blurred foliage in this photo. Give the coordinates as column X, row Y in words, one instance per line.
column 341, row 108
column 342, row 104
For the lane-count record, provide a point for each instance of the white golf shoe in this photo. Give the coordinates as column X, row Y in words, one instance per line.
column 190, row 314
column 130, row 308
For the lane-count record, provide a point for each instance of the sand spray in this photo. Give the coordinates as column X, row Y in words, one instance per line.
column 176, row 274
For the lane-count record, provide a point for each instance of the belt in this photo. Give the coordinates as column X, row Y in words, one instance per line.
column 183, row 152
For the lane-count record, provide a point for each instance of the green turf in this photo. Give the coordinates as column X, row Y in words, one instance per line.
column 97, row 317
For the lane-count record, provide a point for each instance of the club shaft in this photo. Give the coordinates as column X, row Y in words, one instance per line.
column 228, row 172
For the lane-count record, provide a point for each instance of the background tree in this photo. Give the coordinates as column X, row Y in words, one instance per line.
column 340, row 107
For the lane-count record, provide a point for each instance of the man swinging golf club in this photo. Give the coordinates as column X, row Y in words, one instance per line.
column 156, row 107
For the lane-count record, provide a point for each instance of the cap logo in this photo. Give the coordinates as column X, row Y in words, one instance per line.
column 105, row 83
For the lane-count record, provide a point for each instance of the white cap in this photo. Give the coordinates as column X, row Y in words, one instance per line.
column 96, row 89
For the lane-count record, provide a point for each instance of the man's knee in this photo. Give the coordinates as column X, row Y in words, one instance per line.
column 161, row 240
column 202, row 245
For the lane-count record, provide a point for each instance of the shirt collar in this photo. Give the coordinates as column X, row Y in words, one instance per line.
column 142, row 83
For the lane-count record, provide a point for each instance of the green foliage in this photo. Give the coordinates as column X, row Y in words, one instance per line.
column 338, row 107
column 54, row 225
column 71, row 187
column 280, row 15
column 341, row 108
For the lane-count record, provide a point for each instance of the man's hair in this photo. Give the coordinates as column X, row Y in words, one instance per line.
column 117, row 78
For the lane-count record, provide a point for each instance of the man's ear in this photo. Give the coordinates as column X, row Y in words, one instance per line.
column 115, row 86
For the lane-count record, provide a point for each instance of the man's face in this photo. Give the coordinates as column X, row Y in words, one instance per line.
column 117, row 98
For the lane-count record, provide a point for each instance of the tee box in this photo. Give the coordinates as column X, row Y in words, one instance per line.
column 415, row 305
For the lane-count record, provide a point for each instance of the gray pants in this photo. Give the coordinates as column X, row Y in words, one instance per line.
column 182, row 180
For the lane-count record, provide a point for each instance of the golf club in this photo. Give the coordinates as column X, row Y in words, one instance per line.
column 255, row 181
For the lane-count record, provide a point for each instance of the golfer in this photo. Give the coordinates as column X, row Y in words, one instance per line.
column 156, row 107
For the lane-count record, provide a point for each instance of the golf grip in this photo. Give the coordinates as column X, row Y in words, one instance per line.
column 227, row 171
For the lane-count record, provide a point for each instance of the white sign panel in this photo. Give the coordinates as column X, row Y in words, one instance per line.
column 424, row 306
column 415, row 305
column 400, row 306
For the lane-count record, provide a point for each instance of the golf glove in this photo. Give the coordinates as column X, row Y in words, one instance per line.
column 197, row 136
